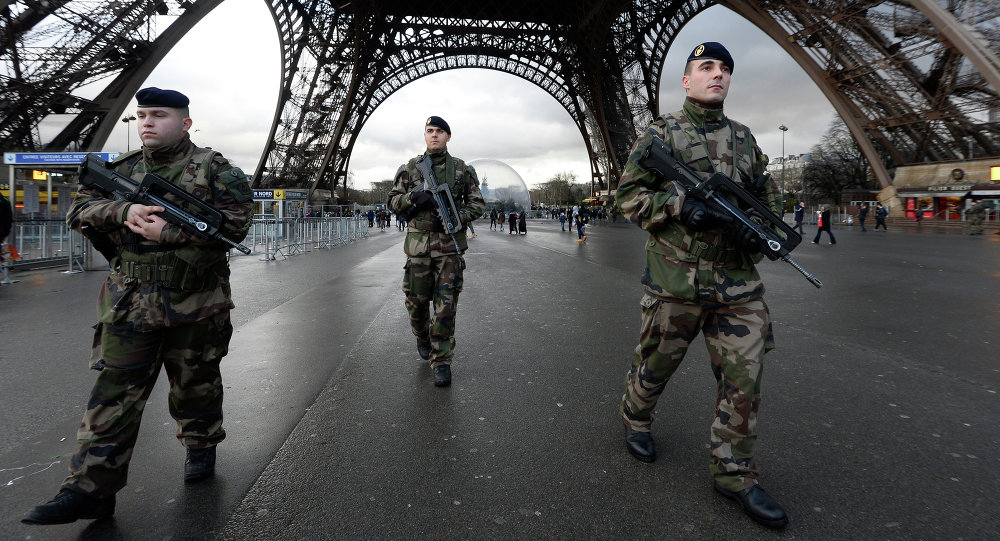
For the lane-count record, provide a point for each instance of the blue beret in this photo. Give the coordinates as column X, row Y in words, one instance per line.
column 713, row 51
column 438, row 122
column 157, row 97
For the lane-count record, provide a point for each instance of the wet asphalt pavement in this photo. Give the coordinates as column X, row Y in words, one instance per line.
column 878, row 417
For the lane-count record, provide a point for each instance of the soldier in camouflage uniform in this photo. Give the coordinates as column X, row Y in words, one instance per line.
column 701, row 277
column 976, row 214
column 165, row 303
column 434, row 263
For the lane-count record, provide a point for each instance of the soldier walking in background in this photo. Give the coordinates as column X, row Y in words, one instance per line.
column 975, row 215
column 701, row 277
column 166, row 303
column 434, row 264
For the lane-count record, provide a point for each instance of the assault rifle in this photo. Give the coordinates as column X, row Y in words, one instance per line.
column 205, row 221
column 777, row 241
column 444, row 203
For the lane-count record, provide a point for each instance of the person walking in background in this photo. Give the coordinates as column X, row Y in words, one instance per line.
column 493, row 219
column 501, row 219
column 800, row 211
column 562, row 219
column 863, row 215
column 522, row 224
column 880, row 214
column 580, row 226
column 975, row 215
column 824, row 225
column 512, row 223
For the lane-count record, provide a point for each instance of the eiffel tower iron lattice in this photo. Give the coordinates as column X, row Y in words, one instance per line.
column 914, row 81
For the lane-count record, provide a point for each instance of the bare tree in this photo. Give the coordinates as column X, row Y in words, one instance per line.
column 837, row 165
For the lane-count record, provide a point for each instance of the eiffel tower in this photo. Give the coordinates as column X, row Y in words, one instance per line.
column 914, row 80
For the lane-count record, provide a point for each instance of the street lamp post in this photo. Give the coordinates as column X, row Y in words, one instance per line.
column 783, row 129
column 128, row 131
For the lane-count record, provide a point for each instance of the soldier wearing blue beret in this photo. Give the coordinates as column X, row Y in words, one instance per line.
column 434, row 273
column 165, row 304
column 701, row 278
column 157, row 97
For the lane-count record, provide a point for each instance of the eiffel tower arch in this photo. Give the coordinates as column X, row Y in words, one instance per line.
column 913, row 81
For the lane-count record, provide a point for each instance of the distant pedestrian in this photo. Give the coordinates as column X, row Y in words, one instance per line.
column 522, row 224
column 862, row 216
column 512, row 223
column 800, row 211
column 975, row 214
column 580, row 227
column 880, row 214
column 562, row 219
column 501, row 219
column 824, row 225
column 493, row 219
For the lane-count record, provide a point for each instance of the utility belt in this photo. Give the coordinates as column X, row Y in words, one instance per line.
column 721, row 253
column 170, row 273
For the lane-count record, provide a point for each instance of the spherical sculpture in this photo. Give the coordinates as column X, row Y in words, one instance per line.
column 501, row 185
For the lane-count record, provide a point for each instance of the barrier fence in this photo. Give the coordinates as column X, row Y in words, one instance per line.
column 50, row 243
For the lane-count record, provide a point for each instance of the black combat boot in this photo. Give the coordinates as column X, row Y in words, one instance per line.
column 758, row 505
column 200, row 464
column 424, row 349
column 442, row 375
column 70, row 506
column 640, row 444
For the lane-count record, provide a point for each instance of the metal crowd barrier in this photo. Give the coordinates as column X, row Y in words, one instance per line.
column 50, row 242
column 271, row 237
column 46, row 243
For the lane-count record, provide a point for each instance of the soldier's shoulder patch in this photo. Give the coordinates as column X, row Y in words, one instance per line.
column 236, row 182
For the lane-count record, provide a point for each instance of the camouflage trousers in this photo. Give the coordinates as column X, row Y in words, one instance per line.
column 437, row 279
column 131, row 363
column 976, row 225
column 737, row 336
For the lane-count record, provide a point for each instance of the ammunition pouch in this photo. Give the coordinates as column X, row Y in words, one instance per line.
column 167, row 270
column 722, row 252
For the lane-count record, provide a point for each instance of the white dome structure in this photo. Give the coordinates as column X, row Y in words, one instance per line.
column 501, row 185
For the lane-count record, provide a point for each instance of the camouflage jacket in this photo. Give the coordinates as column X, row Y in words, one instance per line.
column 682, row 262
column 181, row 278
column 425, row 236
column 977, row 210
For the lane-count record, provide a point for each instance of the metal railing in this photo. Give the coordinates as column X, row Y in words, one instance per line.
column 50, row 243
column 273, row 237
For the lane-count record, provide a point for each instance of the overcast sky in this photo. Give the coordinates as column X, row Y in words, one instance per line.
column 492, row 114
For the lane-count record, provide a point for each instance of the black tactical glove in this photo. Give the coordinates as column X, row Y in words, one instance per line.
column 746, row 239
column 697, row 216
column 422, row 200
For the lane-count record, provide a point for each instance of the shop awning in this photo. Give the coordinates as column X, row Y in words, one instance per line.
column 931, row 194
